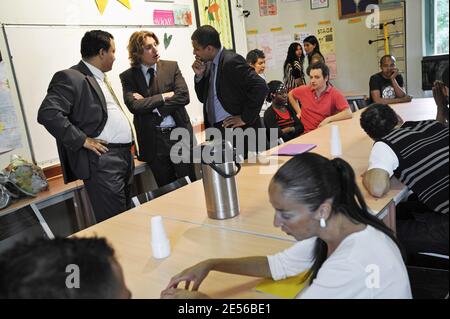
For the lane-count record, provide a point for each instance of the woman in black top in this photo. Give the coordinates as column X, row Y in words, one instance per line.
column 312, row 48
column 280, row 115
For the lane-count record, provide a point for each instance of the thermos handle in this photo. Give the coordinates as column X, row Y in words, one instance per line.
column 222, row 173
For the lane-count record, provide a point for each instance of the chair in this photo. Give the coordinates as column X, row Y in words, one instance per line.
column 20, row 225
column 357, row 103
column 428, row 283
column 148, row 196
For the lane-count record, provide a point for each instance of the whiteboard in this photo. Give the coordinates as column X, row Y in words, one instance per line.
column 37, row 52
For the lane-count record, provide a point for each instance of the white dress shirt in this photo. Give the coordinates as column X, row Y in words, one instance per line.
column 117, row 129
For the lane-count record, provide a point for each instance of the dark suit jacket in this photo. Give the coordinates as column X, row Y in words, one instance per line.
column 74, row 108
column 169, row 78
column 240, row 90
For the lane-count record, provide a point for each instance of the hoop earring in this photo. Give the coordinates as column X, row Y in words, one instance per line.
column 323, row 223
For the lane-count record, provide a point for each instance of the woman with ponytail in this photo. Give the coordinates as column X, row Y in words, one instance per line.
column 347, row 252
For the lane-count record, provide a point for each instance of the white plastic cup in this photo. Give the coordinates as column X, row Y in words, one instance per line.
column 335, row 141
column 160, row 242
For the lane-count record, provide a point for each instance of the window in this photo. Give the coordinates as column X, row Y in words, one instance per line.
column 436, row 27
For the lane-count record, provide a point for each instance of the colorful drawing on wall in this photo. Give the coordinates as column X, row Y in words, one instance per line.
column 217, row 13
column 101, row 4
column 267, row 8
column 163, row 17
column 182, row 14
column 354, row 8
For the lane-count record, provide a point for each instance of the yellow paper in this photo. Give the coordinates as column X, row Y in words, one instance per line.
column 126, row 3
column 2, row 127
column 101, row 5
column 287, row 288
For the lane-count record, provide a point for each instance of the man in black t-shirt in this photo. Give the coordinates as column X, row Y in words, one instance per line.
column 386, row 87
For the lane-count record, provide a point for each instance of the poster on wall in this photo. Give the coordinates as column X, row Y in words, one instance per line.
column 182, row 14
column 268, row 8
column 217, row 13
column 264, row 42
column 300, row 37
column 325, row 35
column 354, row 8
column 163, row 17
column 10, row 137
column 319, row 4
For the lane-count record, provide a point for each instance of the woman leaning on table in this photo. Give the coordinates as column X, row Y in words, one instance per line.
column 349, row 253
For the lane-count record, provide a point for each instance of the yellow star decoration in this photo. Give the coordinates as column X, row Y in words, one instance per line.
column 101, row 4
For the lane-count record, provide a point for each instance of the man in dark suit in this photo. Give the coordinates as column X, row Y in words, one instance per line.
column 156, row 93
column 230, row 90
column 93, row 134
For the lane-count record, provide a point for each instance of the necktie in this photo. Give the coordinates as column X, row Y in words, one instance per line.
column 210, row 110
column 153, row 84
column 133, row 131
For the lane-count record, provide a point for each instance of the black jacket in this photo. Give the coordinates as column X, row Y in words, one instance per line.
column 73, row 109
column 240, row 90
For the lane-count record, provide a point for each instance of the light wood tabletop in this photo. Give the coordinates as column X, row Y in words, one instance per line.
column 256, row 214
column 194, row 237
column 130, row 235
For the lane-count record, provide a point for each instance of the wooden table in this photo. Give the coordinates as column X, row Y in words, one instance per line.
column 129, row 233
column 195, row 237
column 256, row 213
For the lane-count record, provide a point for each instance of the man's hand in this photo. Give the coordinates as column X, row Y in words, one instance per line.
column 137, row 96
column 394, row 74
column 233, row 122
column 407, row 98
column 199, row 67
column 95, row 145
column 439, row 91
column 325, row 122
column 168, row 95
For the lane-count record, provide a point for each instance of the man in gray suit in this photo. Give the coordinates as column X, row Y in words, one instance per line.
column 93, row 134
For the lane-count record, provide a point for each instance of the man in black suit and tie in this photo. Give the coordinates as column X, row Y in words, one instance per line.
column 156, row 93
column 230, row 90
column 93, row 134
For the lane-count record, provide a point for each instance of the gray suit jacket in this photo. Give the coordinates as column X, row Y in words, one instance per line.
column 73, row 109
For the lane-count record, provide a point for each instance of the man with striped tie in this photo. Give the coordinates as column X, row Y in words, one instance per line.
column 93, row 134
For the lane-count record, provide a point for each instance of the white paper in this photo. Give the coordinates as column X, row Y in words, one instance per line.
column 10, row 137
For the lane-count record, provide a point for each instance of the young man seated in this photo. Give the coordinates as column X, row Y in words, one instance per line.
column 417, row 154
column 386, row 87
column 70, row 268
column 320, row 102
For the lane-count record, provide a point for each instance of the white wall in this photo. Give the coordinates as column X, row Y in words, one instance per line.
column 356, row 60
column 415, row 28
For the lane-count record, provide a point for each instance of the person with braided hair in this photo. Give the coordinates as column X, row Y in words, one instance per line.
column 346, row 251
